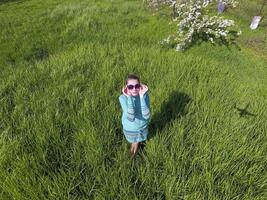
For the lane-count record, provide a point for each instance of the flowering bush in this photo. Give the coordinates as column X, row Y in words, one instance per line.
column 232, row 3
column 194, row 25
column 157, row 3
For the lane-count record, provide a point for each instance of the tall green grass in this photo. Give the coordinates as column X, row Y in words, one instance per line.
column 63, row 65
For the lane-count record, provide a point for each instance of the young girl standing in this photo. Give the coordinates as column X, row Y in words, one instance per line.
column 136, row 111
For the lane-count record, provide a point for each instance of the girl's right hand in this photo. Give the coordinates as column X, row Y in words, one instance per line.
column 125, row 91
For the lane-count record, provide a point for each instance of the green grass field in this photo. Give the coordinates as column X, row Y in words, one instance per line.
column 63, row 65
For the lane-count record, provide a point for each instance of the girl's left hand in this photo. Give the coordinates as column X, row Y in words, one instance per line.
column 143, row 90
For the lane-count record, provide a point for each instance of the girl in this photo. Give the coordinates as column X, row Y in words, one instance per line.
column 136, row 111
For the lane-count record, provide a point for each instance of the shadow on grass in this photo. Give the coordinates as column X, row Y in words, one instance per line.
column 37, row 54
column 244, row 112
column 9, row 1
column 172, row 109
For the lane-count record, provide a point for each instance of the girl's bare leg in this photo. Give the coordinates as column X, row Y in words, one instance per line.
column 134, row 147
column 131, row 149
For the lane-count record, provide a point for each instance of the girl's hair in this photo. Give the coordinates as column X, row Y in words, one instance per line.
column 132, row 76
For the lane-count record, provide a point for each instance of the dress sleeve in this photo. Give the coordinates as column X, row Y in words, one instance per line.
column 127, row 107
column 145, row 106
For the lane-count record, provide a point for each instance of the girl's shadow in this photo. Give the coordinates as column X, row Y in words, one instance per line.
column 171, row 109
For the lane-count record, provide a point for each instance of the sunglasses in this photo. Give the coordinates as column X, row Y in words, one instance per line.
column 130, row 87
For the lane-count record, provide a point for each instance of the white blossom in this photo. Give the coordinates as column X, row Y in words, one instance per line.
column 193, row 24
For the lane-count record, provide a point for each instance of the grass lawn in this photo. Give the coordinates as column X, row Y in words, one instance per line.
column 62, row 67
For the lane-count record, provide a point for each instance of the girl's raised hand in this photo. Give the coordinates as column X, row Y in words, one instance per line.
column 125, row 91
column 143, row 90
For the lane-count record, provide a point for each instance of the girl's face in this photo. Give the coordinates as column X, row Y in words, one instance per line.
column 133, row 87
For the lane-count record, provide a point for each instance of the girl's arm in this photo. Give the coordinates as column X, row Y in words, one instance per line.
column 145, row 106
column 127, row 107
